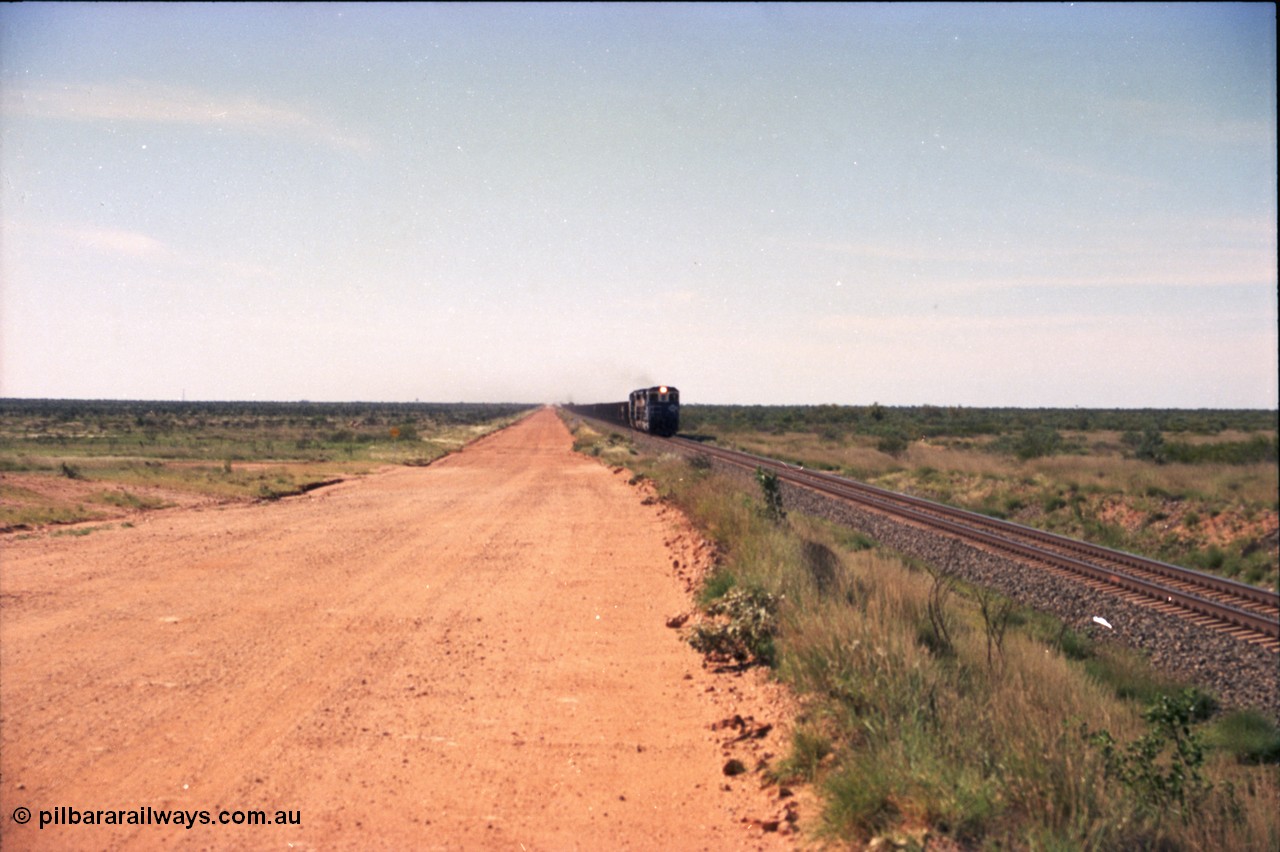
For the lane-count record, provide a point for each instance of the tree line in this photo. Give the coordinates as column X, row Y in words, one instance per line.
column 1148, row 433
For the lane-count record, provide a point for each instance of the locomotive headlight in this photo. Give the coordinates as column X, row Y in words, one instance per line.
column 663, row 390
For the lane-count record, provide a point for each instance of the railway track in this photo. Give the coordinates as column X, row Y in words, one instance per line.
column 1245, row 612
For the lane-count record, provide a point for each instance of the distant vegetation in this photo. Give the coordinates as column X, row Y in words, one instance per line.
column 1193, row 487
column 126, row 423
column 113, row 455
column 928, row 421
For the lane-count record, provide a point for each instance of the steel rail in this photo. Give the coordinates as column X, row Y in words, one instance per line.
column 993, row 532
column 1233, row 588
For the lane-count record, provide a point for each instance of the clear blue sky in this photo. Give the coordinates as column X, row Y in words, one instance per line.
column 1025, row 205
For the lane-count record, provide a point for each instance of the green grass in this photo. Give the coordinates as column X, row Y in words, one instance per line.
column 112, row 456
column 1247, row 735
column 128, row 500
column 717, row 585
column 78, row 532
column 21, row 507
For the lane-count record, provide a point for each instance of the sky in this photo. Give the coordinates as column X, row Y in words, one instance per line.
column 1039, row 205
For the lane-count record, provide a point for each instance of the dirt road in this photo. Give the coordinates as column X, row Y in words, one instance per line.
column 470, row 655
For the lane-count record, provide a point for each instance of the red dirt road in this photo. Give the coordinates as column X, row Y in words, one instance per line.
column 470, row 655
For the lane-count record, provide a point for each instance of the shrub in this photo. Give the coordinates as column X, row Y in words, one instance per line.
column 772, row 490
column 1038, row 442
column 937, row 634
column 1149, row 445
column 1158, row 785
column 996, row 611
column 1251, row 736
column 1257, row 449
column 746, row 634
column 892, row 442
column 1052, row 503
column 700, row 463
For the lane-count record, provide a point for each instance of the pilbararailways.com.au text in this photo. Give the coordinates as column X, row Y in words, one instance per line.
column 147, row 815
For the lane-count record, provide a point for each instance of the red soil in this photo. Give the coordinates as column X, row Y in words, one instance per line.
column 469, row 655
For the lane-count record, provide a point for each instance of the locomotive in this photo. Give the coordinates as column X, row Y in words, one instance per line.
column 655, row 410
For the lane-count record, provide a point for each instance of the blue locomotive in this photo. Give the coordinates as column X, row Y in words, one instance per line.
column 655, row 410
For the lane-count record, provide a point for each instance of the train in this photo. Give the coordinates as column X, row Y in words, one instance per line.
column 655, row 410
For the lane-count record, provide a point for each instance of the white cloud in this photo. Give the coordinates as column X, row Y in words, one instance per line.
column 124, row 246
column 154, row 103
column 114, row 241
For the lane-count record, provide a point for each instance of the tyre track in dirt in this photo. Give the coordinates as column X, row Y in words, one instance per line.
column 469, row 655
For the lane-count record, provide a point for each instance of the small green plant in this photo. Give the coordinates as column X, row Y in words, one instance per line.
column 860, row 796
column 996, row 612
column 1177, row 781
column 936, row 635
column 717, row 585
column 772, row 490
column 809, row 748
column 71, row 471
column 745, row 628
column 1249, row 735
column 853, row 540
